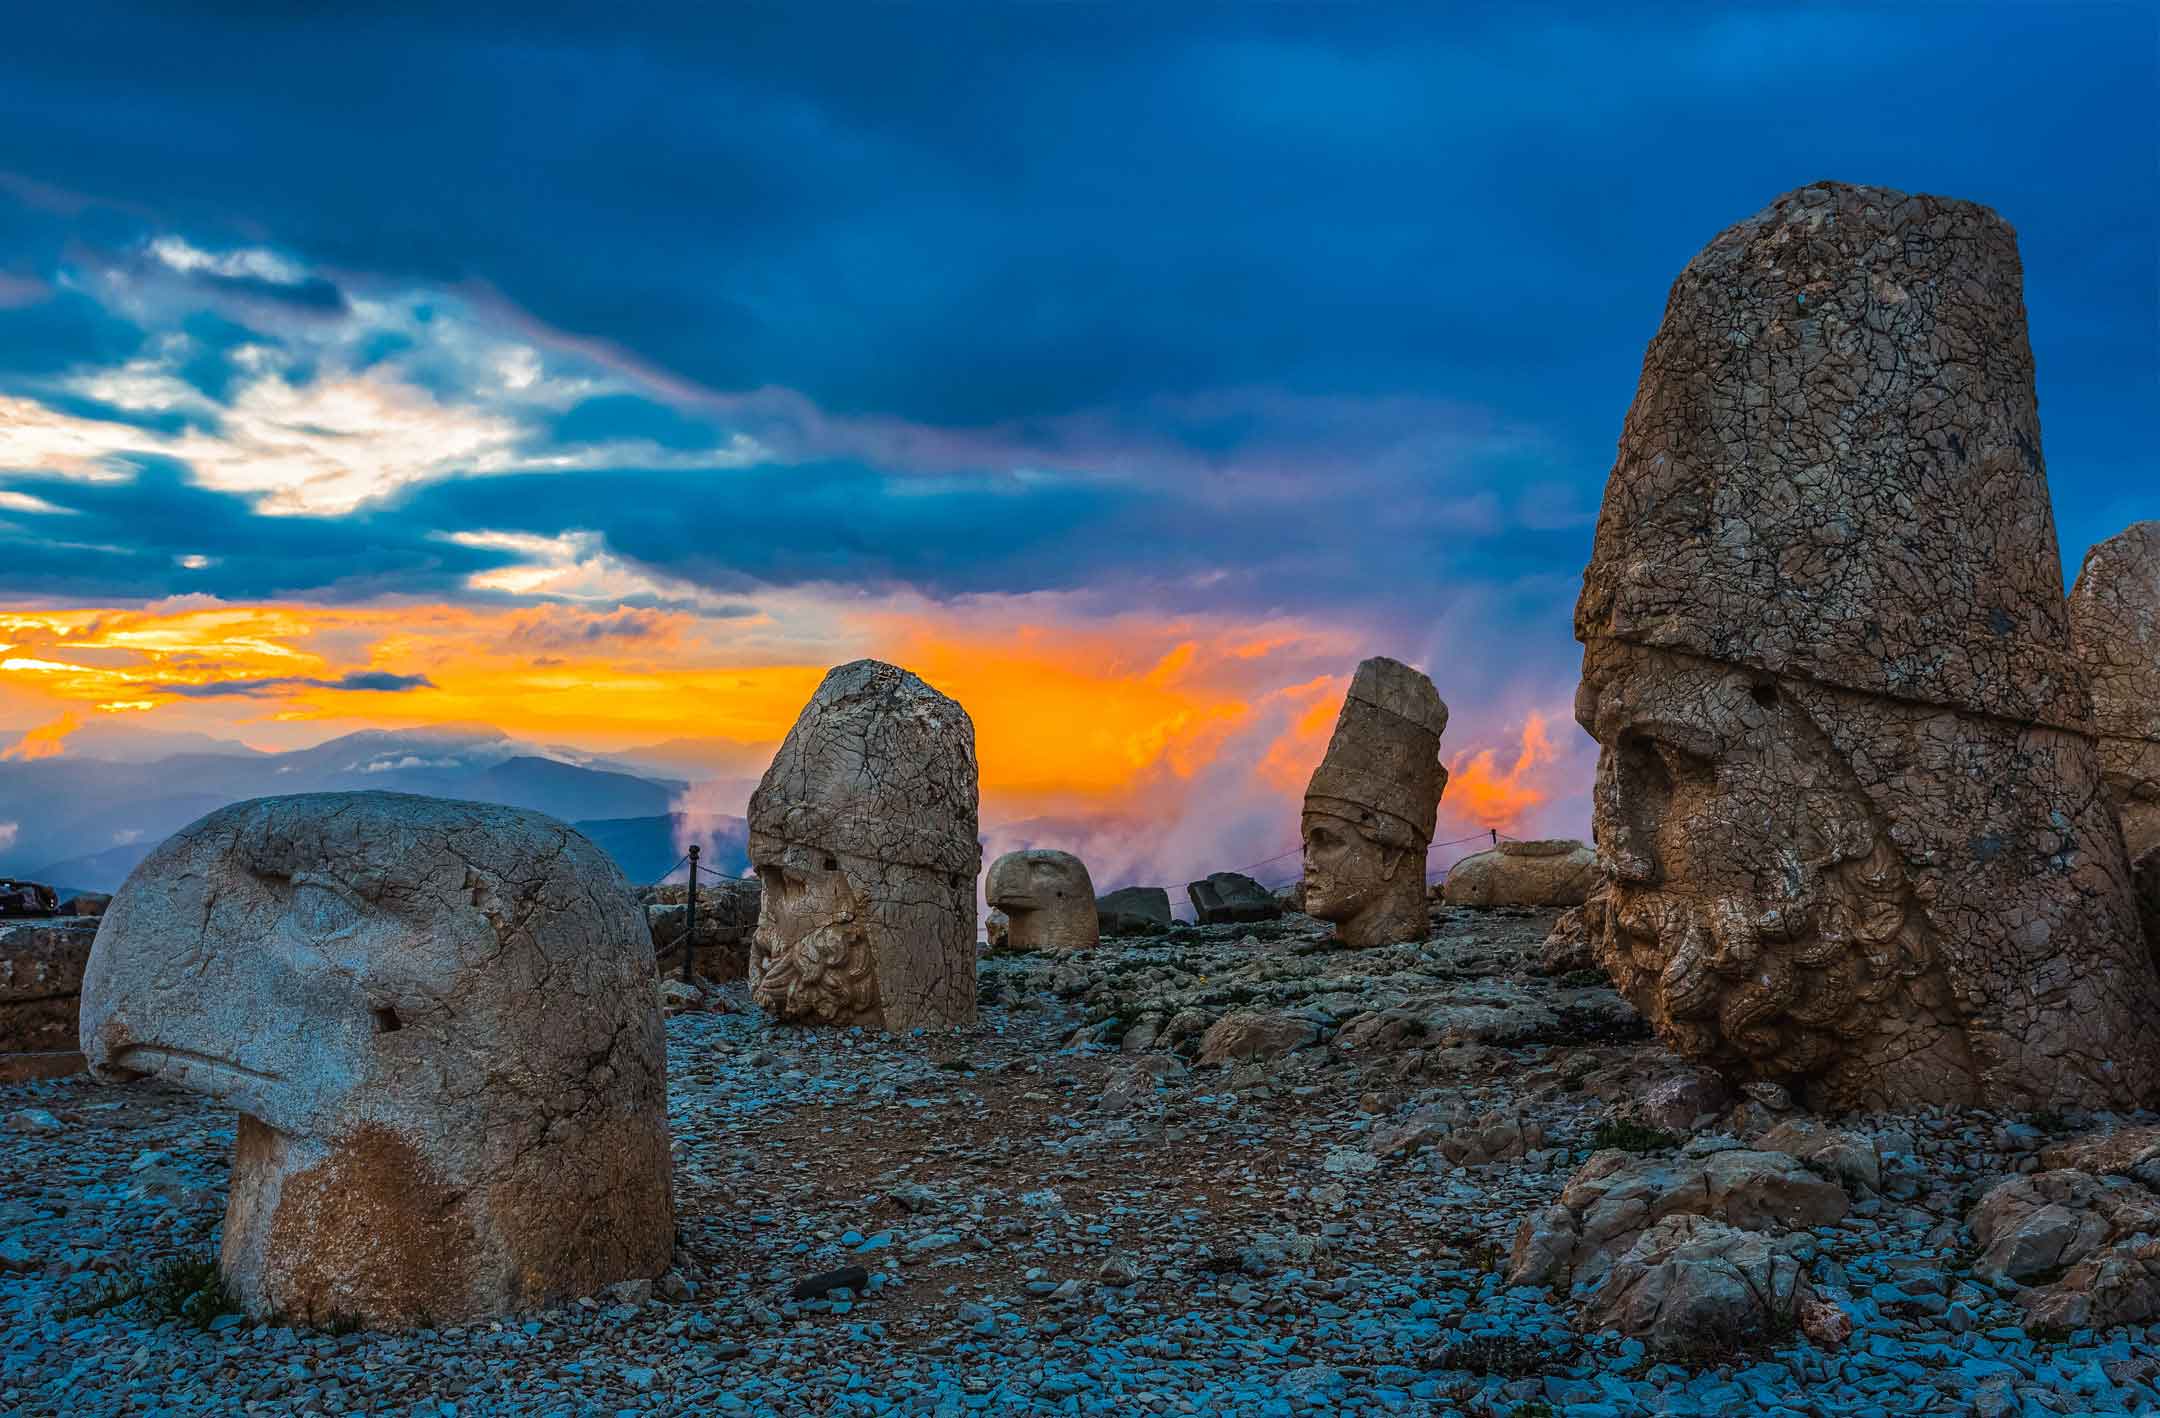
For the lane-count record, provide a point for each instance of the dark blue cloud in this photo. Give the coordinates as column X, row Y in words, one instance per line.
column 1008, row 214
column 370, row 681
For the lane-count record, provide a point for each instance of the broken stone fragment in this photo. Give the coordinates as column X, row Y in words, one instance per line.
column 1256, row 1035
column 1226, row 898
column 1134, row 910
column 863, row 833
column 2034, row 1225
column 1615, row 1196
column 438, row 1023
column 1849, row 796
column 1690, row 1282
column 1553, row 872
column 1046, row 898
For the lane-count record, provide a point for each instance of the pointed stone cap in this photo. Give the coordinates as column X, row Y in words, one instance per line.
column 880, row 766
column 1383, row 765
column 2115, row 623
column 1832, row 466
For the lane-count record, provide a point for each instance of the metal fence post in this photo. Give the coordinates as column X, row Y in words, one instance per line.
column 689, row 940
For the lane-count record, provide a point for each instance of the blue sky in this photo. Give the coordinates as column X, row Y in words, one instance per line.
column 1222, row 315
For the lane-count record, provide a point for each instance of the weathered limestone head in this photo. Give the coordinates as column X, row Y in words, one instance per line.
column 1848, row 797
column 1370, row 806
column 1047, row 896
column 438, row 1023
column 863, row 833
column 2115, row 623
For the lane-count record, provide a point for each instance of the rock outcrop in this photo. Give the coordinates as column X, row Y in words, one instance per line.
column 41, row 973
column 1370, row 806
column 2090, row 1242
column 1047, row 899
column 1228, row 898
column 2115, row 623
column 437, row 1021
column 863, row 833
column 727, row 914
column 1133, row 911
column 1848, row 795
column 1551, row 872
column 1616, row 1196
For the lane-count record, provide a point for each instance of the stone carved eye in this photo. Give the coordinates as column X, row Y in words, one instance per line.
column 322, row 910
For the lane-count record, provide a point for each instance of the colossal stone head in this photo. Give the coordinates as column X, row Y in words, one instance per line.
column 1848, row 798
column 2115, row 622
column 438, row 1022
column 1048, row 900
column 1370, row 806
column 863, row 834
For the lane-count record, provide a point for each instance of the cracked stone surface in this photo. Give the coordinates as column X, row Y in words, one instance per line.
column 863, row 833
column 1849, row 800
column 2115, row 623
column 437, row 1022
column 1047, row 898
column 1370, row 806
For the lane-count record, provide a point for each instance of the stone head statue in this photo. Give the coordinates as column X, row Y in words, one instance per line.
column 438, row 1023
column 863, row 833
column 1847, row 799
column 2115, row 623
column 1370, row 806
column 1047, row 897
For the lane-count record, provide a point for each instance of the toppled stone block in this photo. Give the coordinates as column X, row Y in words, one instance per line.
column 1134, row 910
column 26, row 899
column 1552, row 872
column 41, row 974
column 1227, row 898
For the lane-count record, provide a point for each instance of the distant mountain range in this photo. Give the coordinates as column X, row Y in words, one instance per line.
column 83, row 819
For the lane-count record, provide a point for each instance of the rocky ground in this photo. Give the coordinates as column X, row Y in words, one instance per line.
column 1224, row 1171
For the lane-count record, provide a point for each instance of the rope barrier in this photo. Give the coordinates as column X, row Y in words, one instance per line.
column 673, row 869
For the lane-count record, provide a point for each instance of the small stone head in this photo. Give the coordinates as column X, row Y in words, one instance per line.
column 438, row 1022
column 1048, row 898
column 1370, row 807
column 863, row 834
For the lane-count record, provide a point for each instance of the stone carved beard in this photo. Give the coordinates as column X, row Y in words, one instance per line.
column 1757, row 910
column 1373, row 892
column 812, row 957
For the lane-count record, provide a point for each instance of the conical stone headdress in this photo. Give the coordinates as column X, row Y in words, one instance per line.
column 880, row 766
column 1382, row 768
column 1832, row 466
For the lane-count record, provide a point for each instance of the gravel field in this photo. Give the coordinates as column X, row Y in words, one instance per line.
column 1065, row 1211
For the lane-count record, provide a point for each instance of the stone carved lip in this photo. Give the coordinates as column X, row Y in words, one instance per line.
column 209, row 1068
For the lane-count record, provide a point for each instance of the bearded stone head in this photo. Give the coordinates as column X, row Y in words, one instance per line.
column 1848, row 800
column 1370, row 806
column 863, row 834
column 438, row 1023
column 1047, row 897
